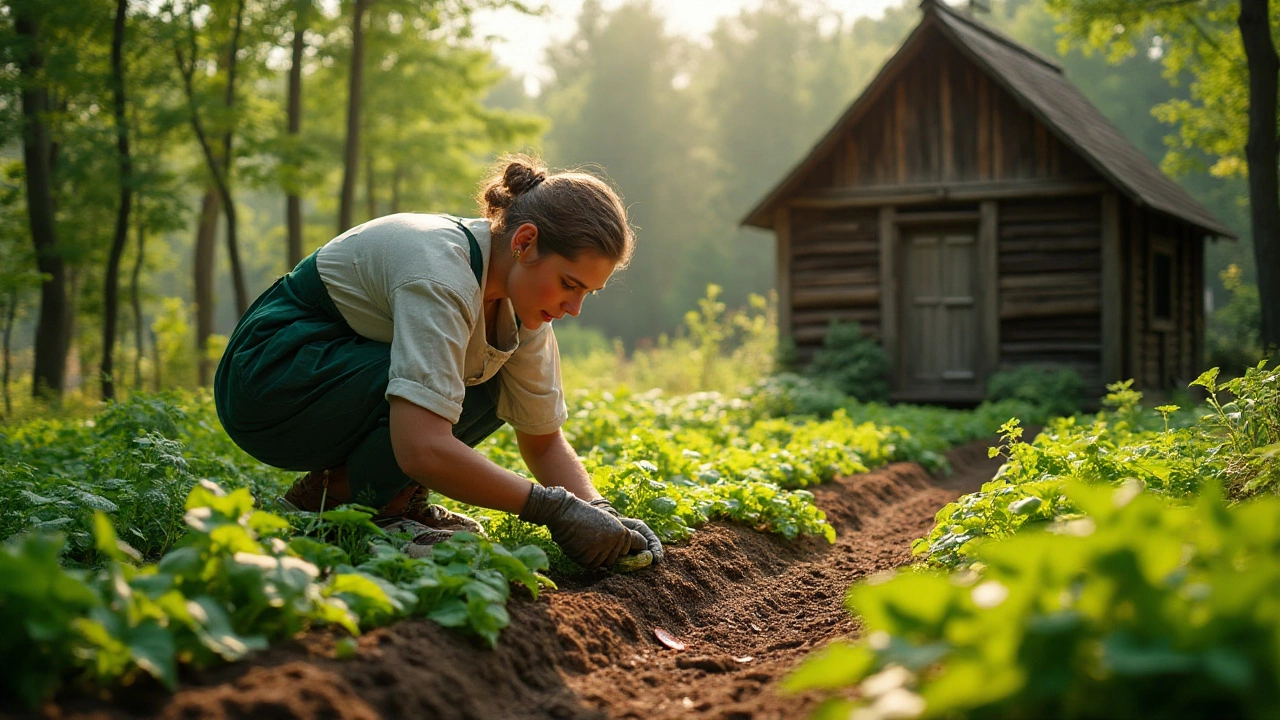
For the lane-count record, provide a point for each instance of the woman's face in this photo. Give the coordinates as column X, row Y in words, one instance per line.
column 547, row 287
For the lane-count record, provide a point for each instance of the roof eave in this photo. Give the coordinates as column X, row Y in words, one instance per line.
column 1100, row 167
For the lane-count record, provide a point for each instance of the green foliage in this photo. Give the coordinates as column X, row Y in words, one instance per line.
column 136, row 460
column 717, row 349
column 1233, row 336
column 231, row 585
column 1246, row 429
column 579, row 341
column 1140, row 610
column 41, row 606
column 1056, row 391
column 1170, row 451
column 853, row 362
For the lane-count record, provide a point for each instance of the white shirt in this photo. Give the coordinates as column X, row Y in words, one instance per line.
column 406, row 279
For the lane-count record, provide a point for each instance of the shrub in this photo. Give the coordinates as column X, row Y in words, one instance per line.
column 1056, row 391
column 854, row 363
column 1139, row 610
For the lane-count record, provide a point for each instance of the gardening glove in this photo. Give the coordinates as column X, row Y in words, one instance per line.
column 652, row 543
column 590, row 536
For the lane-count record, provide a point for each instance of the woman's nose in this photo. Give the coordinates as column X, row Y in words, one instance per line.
column 574, row 306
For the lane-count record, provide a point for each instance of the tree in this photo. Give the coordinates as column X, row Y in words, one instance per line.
column 112, row 292
column 620, row 103
column 1225, row 48
column 355, row 88
column 37, row 152
column 293, row 203
column 219, row 159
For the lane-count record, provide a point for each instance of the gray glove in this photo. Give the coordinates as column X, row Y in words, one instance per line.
column 652, row 543
column 589, row 536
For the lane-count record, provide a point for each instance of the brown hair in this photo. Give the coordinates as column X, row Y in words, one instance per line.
column 573, row 211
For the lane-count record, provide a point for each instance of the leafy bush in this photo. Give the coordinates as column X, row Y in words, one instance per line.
column 1169, row 450
column 791, row 394
column 854, row 363
column 1140, row 610
column 1250, row 424
column 717, row 349
column 1056, row 391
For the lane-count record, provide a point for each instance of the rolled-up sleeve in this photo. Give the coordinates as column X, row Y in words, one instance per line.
column 532, row 398
column 428, row 348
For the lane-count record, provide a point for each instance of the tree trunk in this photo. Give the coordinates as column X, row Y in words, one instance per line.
column 224, row 183
column 395, row 188
column 10, row 315
column 370, row 200
column 75, row 362
column 1261, row 156
column 219, row 167
column 351, row 154
column 136, row 300
column 111, row 301
column 206, row 243
column 50, row 368
column 293, row 203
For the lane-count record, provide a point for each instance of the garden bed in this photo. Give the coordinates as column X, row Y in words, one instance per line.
column 747, row 606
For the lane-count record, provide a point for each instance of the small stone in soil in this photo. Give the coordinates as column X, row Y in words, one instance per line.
column 668, row 639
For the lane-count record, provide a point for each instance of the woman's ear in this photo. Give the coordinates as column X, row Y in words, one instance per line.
column 524, row 241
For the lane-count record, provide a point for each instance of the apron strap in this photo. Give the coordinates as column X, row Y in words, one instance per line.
column 477, row 260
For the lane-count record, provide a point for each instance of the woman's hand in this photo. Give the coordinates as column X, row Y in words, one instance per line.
column 588, row 535
column 652, row 543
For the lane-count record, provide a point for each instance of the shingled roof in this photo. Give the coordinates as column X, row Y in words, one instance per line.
column 1039, row 86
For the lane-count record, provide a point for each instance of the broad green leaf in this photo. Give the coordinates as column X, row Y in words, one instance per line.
column 840, row 664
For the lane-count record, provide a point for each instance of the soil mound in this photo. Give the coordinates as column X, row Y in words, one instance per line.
column 746, row 606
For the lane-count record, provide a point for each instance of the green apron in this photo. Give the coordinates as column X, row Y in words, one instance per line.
column 298, row 389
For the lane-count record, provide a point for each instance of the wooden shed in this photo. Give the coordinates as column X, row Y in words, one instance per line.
column 974, row 212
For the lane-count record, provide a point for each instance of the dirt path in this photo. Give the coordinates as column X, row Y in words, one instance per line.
column 748, row 606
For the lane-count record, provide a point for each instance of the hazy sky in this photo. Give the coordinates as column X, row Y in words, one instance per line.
column 520, row 40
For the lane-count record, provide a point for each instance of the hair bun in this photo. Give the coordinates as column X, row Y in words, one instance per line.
column 521, row 176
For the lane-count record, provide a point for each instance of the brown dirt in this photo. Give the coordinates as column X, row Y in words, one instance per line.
column 748, row 606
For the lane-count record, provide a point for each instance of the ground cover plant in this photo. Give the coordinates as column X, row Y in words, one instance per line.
column 1233, row 439
column 1121, row 567
column 155, row 544
column 137, row 475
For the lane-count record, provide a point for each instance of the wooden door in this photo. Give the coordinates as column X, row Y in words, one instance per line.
column 941, row 320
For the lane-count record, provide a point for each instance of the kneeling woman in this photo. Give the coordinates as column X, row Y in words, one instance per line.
column 383, row 358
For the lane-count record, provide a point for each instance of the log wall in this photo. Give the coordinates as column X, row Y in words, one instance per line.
column 1050, row 283
column 834, row 273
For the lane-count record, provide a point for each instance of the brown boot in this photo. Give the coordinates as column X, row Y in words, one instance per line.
column 411, row 504
column 438, row 516
column 320, row 490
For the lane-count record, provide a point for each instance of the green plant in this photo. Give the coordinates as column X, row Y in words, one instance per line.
column 1054, row 390
column 1248, row 426
column 856, row 364
column 1136, row 609
column 233, row 584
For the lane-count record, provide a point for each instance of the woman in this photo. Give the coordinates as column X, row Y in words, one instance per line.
column 386, row 356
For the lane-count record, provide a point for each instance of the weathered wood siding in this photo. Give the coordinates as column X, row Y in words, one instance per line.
column 943, row 120
column 938, row 136
column 1167, row 355
column 1051, row 284
column 835, row 265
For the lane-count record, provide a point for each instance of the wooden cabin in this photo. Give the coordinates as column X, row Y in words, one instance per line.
column 974, row 212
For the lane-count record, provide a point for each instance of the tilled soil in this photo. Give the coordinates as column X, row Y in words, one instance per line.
column 747, row 606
